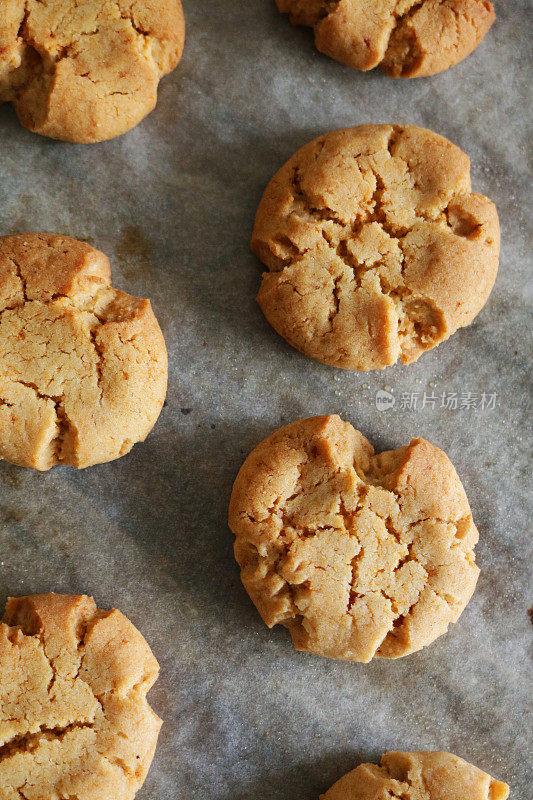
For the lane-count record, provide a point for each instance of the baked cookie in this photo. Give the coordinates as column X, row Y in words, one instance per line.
column 358, row 555
column 74, row 721
column 418, row 776
column 406, row 38
column 376, row 247
column 83, row 366
column 86, row 70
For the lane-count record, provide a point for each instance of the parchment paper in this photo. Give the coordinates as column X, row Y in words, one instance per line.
column 172, row 204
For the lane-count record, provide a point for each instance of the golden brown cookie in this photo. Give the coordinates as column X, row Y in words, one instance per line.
column 74, row 721
column 83, row 366
column 376, row 247
column 418, row 776
column 406, row 38
column 358, row 555
column 86, row 71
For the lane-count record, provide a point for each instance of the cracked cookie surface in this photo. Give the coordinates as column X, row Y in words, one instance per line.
column 358, row 555
column 425, row 775
column 83, row 366
column 86, row 71
column 376, row 247
column 74, row 720
column 406, row 38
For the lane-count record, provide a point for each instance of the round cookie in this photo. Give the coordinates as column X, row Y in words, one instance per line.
column 83, row 366
column 74, row 721
column 358, row 555
column 86, row 71
column 413, row 776
column 376, row 247
column 406, row 38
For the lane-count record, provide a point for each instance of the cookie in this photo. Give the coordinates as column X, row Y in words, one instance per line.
column 74, row 721
column 376, row 247
column 406, row 38
column 413, row 776
column 83, row 366
column 358, row 555
column 86, row 71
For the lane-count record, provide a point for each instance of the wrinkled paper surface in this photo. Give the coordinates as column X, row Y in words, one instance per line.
column 172, row 204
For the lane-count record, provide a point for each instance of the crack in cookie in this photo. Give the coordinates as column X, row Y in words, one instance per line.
column 423, row 775
column 83, row 366
column 376, row 246
column 74, row 720
column 28, row 742
column 358, row 555
column 89, row 71
column 406, row 38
